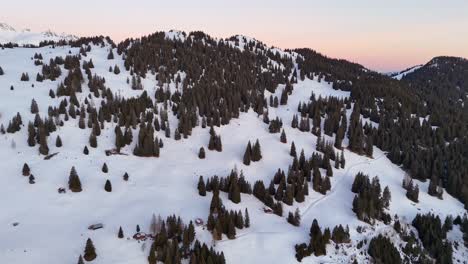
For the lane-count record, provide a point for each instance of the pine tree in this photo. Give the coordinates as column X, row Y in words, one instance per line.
column 116, row 69
column 283, row 137
column 201, row 153
column 1, row 71
column 43, row 148
column 93, row 140
column 256, row 152
column 26, row 170
column 201, row 187
column 292, row 152
column 74, row 183
column 85, row 150
column 104, row 168
column 110, row 56
column 34, row 107
column 125, row 177
column 32, row 179
column 108, row 186
column 58, row 142
column 90, row 251
column 247, row 218
column 120, row 234
column 386, row 197
column 247, row 154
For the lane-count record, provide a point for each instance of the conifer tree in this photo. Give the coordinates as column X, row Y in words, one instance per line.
column 1, row 71
column 34, row 107
column 58, row 142
column 125, row 177
column 247, row 154
column 256, row 152
column 93, row 140
column 26, row 170
column 43, row 148
column 386, row 197
column 74, row 183
column 292, row 152
column 104, row 168
column 80, row 260
column 90, row 251
column 120, row 234
column 85, row 150
column 108, row 186
column 201, row 153
column 201, row 187
column 283, row 137
column 110, row 56
column 247, row 218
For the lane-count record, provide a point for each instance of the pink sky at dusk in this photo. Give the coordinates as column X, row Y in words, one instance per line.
column 381, row 36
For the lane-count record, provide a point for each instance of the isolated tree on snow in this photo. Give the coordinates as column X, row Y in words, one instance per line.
column 283, row 137
column 1, row 71
column 116, row 69
column 85, row 150
column 104, row 168
column 26, row 170
column 120, row 234
column 90, row 251
column 110, row 56
column 74, row 183
column 125, row 177
column 58, row 142
column 108, row 186
column 201, row 153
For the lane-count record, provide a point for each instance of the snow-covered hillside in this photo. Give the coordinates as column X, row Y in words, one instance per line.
column 52, row 227
column 21, row 37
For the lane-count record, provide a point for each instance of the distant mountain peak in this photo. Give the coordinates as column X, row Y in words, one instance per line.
column 6, row 27
column 26, row 36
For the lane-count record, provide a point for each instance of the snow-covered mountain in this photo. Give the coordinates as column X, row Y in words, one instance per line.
column 43, row 221
column 21, row 37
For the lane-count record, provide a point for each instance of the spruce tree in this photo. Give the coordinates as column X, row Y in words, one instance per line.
column 283, row 137
column 201, row 153
column 74, row 183
column 108, row 186
column 256, row 152
column 34, row 107
column 120, row 234
column 26, row 170
column 90, row 251
column 247, row 218
column 292, row 152
column 247, row 154
column 93, row 140
column 104, row 168
column 201, row 187
column 58, row 142
column 80, row 260
column 125, row 177
column 85, row 150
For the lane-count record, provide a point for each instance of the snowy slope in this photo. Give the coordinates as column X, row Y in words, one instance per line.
column 53, row 227
column 9, row 34
column 401, row 74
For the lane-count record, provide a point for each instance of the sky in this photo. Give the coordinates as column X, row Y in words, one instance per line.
column 381, row 35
